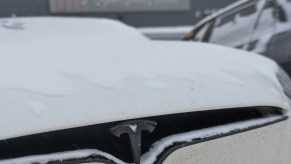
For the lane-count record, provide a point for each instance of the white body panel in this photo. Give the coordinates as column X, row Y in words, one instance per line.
column 267, row 145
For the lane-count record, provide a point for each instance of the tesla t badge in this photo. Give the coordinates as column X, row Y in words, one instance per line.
column 134, row 130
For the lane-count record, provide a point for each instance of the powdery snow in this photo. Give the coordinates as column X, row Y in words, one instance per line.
column 43, row 159
column 156, row 84
column 37, row 108
column 42, row 68
column 77, row 81
column 60, row 29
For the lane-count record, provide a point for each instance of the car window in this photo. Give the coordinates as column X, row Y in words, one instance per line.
column 286, row 7
column 267, row 20
column 248, row 11
column 264, row 28
column 224, row 20
column 235, row 27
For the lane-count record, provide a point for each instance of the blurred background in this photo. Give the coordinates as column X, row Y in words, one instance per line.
column 138, row 13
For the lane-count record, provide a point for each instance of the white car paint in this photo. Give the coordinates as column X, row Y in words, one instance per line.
column 267, row 145
column 151, row 156
column 72, row 83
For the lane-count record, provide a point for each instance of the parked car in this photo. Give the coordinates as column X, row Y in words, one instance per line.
column 262, row 26
column 72, row 94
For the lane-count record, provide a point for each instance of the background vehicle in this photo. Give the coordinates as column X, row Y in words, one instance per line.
column 262, row 26
column 72, row 94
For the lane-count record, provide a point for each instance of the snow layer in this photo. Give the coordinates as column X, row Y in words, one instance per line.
column 36, row 107
column 44, row 69
column 42, row 159
column 52, row 29
column 60, row 82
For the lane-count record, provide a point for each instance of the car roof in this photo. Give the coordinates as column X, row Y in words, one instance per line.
column 47, row 86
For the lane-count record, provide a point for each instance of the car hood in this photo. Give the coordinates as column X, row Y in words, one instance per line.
column 47, row 87
column 49, row 29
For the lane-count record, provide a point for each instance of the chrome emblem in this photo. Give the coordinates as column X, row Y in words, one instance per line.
column 134, row 130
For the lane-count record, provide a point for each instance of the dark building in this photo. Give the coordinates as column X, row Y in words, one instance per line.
column 133, row 12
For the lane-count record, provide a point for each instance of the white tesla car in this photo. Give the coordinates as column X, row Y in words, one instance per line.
column 96, row 91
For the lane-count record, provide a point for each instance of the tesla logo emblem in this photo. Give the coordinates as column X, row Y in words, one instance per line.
column 134, row 130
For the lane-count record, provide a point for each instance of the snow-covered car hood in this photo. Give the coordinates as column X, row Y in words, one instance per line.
column 46, row 87
column 50, row 29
